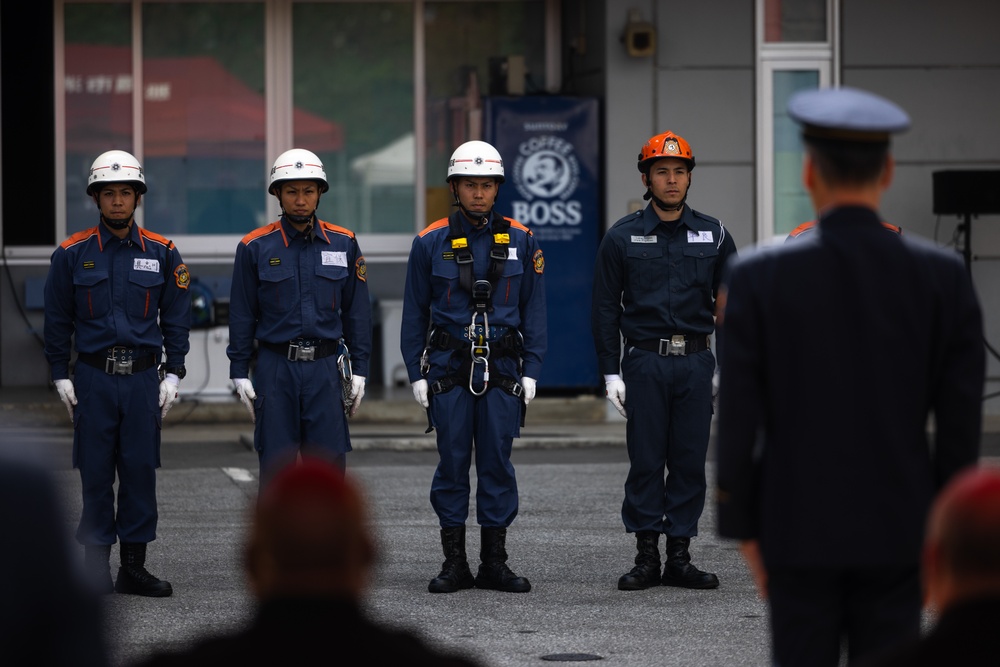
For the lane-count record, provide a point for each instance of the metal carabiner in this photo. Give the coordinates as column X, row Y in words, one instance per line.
column 486, row 375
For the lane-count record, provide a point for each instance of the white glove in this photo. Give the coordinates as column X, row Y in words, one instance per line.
column 614, row 387
column 244, row 389
column 529, row 389
column 420, row 393
column 168, row 393
column 67, row 395
column 357, row 392
column 715, row 388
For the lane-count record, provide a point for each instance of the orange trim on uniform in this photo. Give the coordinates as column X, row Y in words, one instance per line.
column 437, row 224
column 806, row 226
column 329, row 226
column 264, row 231
column 79, row 237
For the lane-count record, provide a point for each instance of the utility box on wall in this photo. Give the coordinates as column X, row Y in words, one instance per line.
column 550, row 149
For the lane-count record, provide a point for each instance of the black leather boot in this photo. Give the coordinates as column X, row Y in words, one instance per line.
column 646, row 572
column 96, row 562
column 680, row 572
column 134, row 578
column 455, row 573
column 493, row 571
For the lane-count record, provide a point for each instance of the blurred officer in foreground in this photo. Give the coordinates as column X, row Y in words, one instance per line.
column 308, row 560
column 122, row 292
column 834, row 353
column 300, row 290
column 655, row 282
column 49, row 615
column 473, row 338
column 961, row 574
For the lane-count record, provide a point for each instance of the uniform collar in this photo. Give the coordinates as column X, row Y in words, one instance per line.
column 105, row 236
column 317, row 233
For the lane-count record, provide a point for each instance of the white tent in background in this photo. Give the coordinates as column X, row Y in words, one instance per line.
column 392, row 165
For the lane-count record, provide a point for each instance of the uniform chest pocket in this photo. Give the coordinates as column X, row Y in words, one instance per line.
column 92, row 294
column 144, row 289
column 699, row 265
column 278, row 291
column 330, row 282
column 510, row 282
column 647, row 267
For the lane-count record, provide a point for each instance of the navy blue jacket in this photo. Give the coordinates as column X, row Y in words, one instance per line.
column 835, row 351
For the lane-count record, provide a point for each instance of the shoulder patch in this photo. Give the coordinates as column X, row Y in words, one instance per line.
column 538, row 261
column 181, row 276
column 361, row 269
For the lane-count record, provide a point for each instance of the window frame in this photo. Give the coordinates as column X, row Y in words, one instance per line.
column 774, row 57
column 278, row 102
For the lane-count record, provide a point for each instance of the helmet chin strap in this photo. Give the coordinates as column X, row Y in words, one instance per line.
column 477, row 220
column 118, row 224
column 662, row 205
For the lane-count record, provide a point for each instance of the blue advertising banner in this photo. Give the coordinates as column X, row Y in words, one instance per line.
column 549, row 147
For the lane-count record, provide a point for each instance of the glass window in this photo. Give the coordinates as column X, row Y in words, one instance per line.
column 469, row 47
column 795, row 21
column 98, row 94
column 204, row 117
column 792, row 205
column 353, row 95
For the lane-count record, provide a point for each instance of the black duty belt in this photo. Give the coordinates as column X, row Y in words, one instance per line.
column 678, row 344
column 503, row 340
column 303, row 349
column 121, row 360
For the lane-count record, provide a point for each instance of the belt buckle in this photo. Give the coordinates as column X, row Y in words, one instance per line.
column 675, row 345
column 115, row 364
column 301, row 352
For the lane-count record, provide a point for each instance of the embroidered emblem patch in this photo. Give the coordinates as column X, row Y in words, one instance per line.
column 274, row 261
column 538, row 261
column 88, row 264
column 361, row 269
column 182, row 276
column 447, row 255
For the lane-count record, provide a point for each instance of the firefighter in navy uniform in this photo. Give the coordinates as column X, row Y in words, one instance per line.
column 655, row 281
column 122, row 291
column 300, row 289
column 473, row 339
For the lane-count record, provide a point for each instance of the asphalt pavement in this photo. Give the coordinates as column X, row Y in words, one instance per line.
column 567, row 539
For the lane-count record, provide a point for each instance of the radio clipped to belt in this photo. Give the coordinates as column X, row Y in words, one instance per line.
column 346, row 376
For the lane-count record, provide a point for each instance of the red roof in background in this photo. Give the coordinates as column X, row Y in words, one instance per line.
column 192, row 107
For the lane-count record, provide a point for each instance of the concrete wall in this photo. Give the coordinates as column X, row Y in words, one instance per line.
column 699, row 84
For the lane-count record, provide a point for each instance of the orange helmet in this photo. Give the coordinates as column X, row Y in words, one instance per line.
column 664, row 145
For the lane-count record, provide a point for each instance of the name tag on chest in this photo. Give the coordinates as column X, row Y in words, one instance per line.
column 146, row 264
column 699, row 237
column 333, row 258
column 644, row 239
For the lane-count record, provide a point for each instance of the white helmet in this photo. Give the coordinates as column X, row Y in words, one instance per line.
column 116, row 167
column 475, row 158
column 298, row 164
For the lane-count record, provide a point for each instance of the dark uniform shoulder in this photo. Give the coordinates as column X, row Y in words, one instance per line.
column 706, row 217
column 631, row 217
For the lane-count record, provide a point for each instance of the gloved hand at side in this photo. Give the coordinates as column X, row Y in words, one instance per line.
column 420, row 393
column 357, row 392
column 715, row 388
column 614, row 388
column 529, row 386
column 168, row 393
column 67, row 395
column 244, row 389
